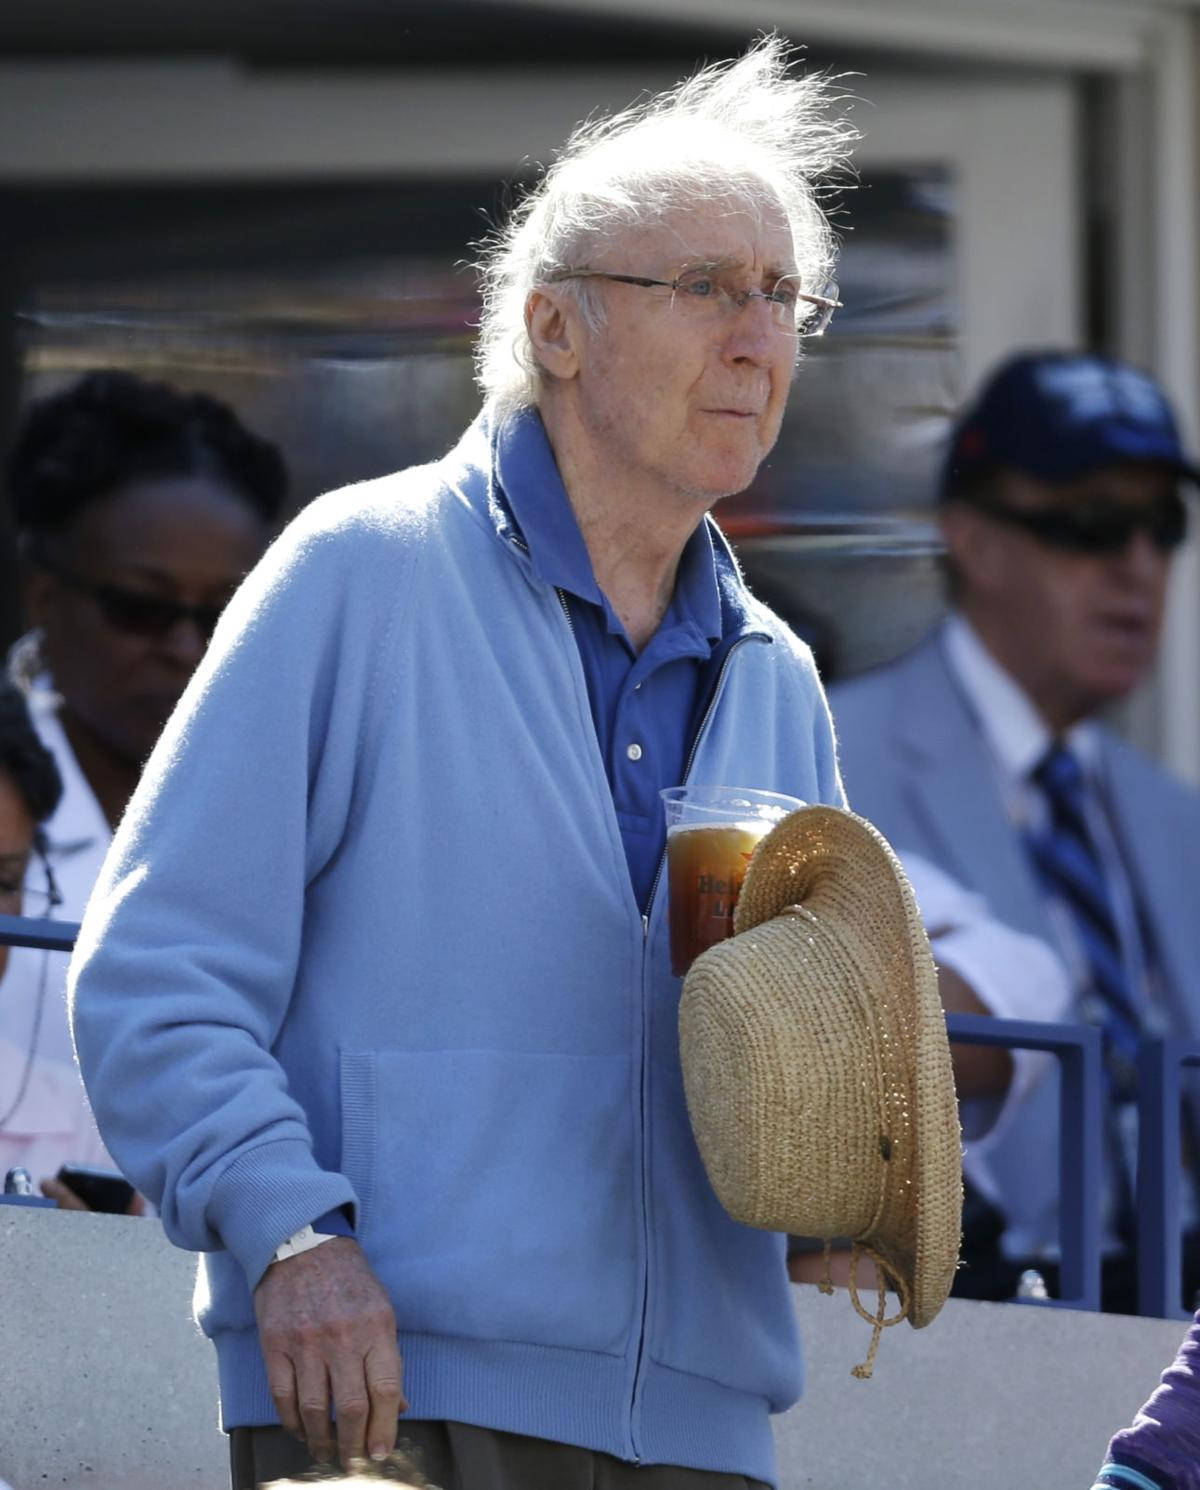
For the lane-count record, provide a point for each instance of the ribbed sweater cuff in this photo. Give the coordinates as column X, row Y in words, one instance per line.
column 267, row 1194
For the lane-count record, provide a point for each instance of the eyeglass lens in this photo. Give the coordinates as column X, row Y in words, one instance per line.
column 717, row 290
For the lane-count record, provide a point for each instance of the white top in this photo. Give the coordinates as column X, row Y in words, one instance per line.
column 1017, row 738
column 52, row 1123
column 1014, row 975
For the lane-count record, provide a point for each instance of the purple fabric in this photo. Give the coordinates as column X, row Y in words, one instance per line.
column 1166, row 1432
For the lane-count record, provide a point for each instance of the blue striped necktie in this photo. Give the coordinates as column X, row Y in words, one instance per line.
column 1069, row 868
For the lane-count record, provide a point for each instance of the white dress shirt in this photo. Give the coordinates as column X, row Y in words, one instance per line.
column 1015, row 976
column 1018, row 738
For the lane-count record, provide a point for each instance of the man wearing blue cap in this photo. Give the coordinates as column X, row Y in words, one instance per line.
column 1061, row 507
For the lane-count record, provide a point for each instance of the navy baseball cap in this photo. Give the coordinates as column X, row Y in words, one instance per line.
column 1059, row 415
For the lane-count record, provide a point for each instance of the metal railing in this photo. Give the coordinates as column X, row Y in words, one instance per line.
column 1161, row 1065
column 44, row 935
column 1077, row 1049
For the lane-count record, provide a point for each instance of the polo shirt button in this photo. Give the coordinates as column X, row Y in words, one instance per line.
column 634, row 751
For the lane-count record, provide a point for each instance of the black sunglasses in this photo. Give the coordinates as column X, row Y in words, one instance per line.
column 1096, row 525
column 133, row 612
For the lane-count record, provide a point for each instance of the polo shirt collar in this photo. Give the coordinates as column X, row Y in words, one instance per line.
column 531, row 486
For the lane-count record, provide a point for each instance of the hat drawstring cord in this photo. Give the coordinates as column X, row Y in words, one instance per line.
column 878, row 1321
column 826, row 1283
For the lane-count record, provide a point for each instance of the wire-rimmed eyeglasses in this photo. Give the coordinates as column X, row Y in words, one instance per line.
column 707, row 292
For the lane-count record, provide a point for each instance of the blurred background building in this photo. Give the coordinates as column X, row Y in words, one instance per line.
column 276, row 201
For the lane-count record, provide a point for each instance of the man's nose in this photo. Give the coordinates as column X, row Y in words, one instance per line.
column 754, row 333
column 184, row 642
column 1141, row 559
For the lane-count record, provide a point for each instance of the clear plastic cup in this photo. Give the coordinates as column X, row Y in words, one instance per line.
column 711, row 834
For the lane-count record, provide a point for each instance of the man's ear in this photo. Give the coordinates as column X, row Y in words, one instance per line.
column 554, row 333
column 970, row 545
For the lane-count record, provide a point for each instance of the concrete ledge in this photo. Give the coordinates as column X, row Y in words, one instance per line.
column 106, row 1384
column 105, row 1381
column 989, row 1396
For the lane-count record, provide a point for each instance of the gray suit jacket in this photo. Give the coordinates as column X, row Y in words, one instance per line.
column 915, row 763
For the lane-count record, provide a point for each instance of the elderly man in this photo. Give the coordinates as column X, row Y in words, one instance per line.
column 374, row 995
column 1061, row 508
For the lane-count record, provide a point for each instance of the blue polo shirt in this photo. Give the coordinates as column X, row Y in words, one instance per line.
column 645, row 705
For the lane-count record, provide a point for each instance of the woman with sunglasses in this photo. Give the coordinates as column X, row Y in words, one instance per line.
column 139, row 508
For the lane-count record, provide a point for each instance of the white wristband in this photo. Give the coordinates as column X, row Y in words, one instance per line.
column 303, row 1240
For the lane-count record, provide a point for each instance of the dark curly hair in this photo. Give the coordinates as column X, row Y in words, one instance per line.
column 23, row 757
column 112, row 427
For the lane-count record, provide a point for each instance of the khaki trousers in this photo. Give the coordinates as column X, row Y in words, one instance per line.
column 456, row 1456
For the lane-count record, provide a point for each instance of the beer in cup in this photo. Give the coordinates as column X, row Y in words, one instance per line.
column 711, row 834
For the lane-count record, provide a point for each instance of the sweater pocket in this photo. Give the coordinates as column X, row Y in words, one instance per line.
column 496, row 1191
column 721, row 1304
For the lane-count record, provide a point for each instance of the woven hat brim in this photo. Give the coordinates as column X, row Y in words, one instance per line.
column 863, row 855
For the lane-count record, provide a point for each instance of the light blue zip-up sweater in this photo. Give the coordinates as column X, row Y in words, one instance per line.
column 366, row 936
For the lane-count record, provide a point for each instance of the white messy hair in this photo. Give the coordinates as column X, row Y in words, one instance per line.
column 742, row 129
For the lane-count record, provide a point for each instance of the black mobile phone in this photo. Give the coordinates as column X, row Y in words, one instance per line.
column 99, row 1189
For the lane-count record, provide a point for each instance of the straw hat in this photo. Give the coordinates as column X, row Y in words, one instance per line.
column 816, row 1063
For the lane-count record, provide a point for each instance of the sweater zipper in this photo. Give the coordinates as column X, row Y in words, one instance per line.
column 635, row 1395
column 718, row 689
column 562, row 600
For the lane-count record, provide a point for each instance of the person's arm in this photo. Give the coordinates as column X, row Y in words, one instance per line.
column 1161, row 1449
column 979, row 1070
column 188, row 953
column 986, row 967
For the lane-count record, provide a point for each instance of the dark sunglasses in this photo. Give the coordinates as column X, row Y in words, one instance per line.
column 133, row 612
column 1096, row 525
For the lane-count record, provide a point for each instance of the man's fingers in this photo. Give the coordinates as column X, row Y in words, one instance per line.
column 385, row 1374
column 326, row 1314
column 63, row 1196
column 312, row 1393
column 352, row 1408
column 281, row 1378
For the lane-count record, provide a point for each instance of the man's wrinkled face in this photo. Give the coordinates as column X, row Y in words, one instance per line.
column 680, row 398
column 1077, row 630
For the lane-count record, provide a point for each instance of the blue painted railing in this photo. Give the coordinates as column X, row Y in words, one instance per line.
column 26, row 931
column 1161, row 1066
column 1077, row 1048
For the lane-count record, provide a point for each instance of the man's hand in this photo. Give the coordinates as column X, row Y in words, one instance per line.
column 325, row 1322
